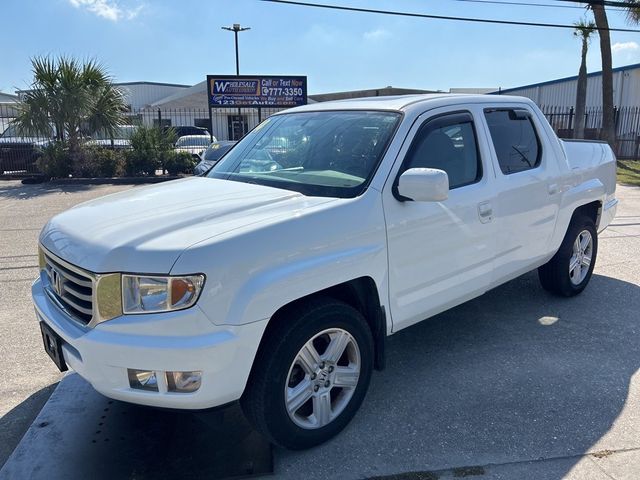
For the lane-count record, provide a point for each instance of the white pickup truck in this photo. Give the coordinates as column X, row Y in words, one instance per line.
column 276, row 279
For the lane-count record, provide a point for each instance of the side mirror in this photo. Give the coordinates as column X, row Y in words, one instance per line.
column 424, row 185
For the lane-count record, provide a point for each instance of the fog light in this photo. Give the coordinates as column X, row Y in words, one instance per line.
column 183, row 382
column 143, row 379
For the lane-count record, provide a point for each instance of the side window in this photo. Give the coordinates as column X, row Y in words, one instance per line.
column 448, row 143
column 514, row 139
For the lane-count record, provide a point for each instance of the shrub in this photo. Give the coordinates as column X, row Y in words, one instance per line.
column 178, row 162
column 97, row 161
column 55, row 161
column 149, row 146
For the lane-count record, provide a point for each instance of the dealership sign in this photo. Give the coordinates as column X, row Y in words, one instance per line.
column 258, row 91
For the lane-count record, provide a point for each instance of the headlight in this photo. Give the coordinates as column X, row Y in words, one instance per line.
column 148, row 294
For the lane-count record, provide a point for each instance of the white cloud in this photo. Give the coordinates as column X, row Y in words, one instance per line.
column 323, row 34
column 108, row 9
column 625, row 47
column 625, row 52
column 377, row 34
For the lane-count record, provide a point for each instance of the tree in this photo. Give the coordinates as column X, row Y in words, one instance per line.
column 600, row 16
column 77, row 99
column 583, row 30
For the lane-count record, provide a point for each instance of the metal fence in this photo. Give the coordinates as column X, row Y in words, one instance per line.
column 627, row 127
column 19, row 152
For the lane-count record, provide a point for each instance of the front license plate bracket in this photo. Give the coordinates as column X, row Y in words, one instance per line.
column 53, row 346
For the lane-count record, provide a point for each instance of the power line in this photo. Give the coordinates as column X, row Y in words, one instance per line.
column 606, row 3
column 438, row 17
column 527, row 4
column 521, row 4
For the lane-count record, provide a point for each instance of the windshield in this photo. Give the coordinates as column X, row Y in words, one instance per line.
column 193, row 141
column 330, row 153
column 216, row 151
column 14, row 131
column 121, row 132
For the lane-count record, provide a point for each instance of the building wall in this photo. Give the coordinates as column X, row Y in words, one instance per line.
column 197, row 100
column 372, row 92
column 8, row 98
column 562, row 93
column 142, row 94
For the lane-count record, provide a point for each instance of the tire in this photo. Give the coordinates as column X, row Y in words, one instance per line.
column 556, row 276
column 280, row 370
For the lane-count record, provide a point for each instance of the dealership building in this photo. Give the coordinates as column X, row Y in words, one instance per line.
column 172, row 104
column 168, row 104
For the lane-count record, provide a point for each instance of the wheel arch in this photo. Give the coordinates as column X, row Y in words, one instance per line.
column 360, row 293
column 592, row 210
column 585, row 198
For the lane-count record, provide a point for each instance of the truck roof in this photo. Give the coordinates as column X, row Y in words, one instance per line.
column 405, row 102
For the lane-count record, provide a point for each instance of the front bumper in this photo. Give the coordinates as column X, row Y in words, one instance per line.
column 176, row 341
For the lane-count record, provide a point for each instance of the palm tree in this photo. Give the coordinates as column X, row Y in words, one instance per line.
column 600, row 16
column 77, row 99
column 608, row 122
column 583, row 30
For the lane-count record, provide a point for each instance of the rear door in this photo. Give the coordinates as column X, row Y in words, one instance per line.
column 527, row 195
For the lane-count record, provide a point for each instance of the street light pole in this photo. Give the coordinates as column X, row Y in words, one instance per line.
column 235, row 29
column 235, row 33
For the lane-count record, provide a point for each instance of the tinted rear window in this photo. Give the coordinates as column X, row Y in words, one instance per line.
column 514, row 139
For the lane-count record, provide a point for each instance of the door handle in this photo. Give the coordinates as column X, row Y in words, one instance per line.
column 485, row 212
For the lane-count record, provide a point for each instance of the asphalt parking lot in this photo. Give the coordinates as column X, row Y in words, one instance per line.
column 29, row 374
column 515, row 384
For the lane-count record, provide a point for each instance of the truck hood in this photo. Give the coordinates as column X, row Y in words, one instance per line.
column 145, row 229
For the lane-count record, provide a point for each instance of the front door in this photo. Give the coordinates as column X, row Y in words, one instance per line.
column 441, row 253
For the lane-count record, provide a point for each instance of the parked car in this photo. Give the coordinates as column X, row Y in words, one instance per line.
column 194, row 144
column 121, row 139
column 211, row 155
column 184, row 130
column 20, row 152
column 278, row 285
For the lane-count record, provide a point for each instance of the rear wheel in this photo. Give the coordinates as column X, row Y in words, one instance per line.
column 311, row 376
column 570, row 269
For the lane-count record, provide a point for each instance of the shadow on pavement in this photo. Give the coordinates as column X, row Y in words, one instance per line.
column 516, row 375
column 81, row 434
column 17, row 191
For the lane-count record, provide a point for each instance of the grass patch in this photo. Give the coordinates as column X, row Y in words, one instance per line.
column 629, row 172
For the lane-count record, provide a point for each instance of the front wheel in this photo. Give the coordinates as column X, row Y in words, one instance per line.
column 312, row 374
column 570, row 269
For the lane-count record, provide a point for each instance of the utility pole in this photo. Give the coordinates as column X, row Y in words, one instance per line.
column 235, row 29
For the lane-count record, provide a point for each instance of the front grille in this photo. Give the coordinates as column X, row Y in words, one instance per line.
column 71, row 286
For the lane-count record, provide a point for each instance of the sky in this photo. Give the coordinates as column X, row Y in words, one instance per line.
column 182, row 41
